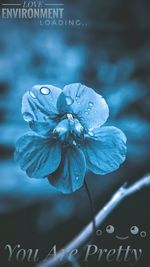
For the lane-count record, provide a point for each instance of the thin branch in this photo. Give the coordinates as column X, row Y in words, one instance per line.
column 82, row 238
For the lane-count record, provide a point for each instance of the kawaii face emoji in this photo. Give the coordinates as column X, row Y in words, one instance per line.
column 133, row 230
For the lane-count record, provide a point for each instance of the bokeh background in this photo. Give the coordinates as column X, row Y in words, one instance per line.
column 112, row 55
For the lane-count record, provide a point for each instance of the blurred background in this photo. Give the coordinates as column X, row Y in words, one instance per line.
column 111, row 55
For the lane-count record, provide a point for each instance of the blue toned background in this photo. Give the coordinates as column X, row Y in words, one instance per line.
column 112, row 56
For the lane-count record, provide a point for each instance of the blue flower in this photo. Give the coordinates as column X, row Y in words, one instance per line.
column 67, row 137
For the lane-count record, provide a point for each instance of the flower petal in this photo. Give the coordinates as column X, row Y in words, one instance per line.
column 90, row 108
column 106, row 151
column 39, row 107
column 43, row 128
column 38, row 156
column 70, row 175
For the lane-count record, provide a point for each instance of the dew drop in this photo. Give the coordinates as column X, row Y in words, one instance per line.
column 77, row 178
column 32, row 94
column 45, row 91
column 91, row 133
column 90, row 104
column 89, row 109
column 74, row 143
column 78, row 103
column 27, row 117
column 86, row 112
column 46, row 118
column 69, row 100
column 77, row 98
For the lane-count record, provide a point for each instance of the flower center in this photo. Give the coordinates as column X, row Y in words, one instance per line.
column 69, row 130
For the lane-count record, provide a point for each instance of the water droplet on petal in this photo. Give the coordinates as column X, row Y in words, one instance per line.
column 89, row 109
column 77, row 98
column 86, row 112
column 74, row 143
column 46, row 118
column 77, row 178
column 45, row 91
column 69, row 100
column 90, row 104
column 27, row 117
column 91, row 133
column 32, row 94
column 78, row 103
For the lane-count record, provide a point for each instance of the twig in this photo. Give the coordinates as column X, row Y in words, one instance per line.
column 81, row 239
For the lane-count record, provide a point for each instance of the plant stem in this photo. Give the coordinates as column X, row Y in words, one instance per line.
column 92, row 208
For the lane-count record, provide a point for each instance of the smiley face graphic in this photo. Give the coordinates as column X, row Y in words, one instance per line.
column 134, row 230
